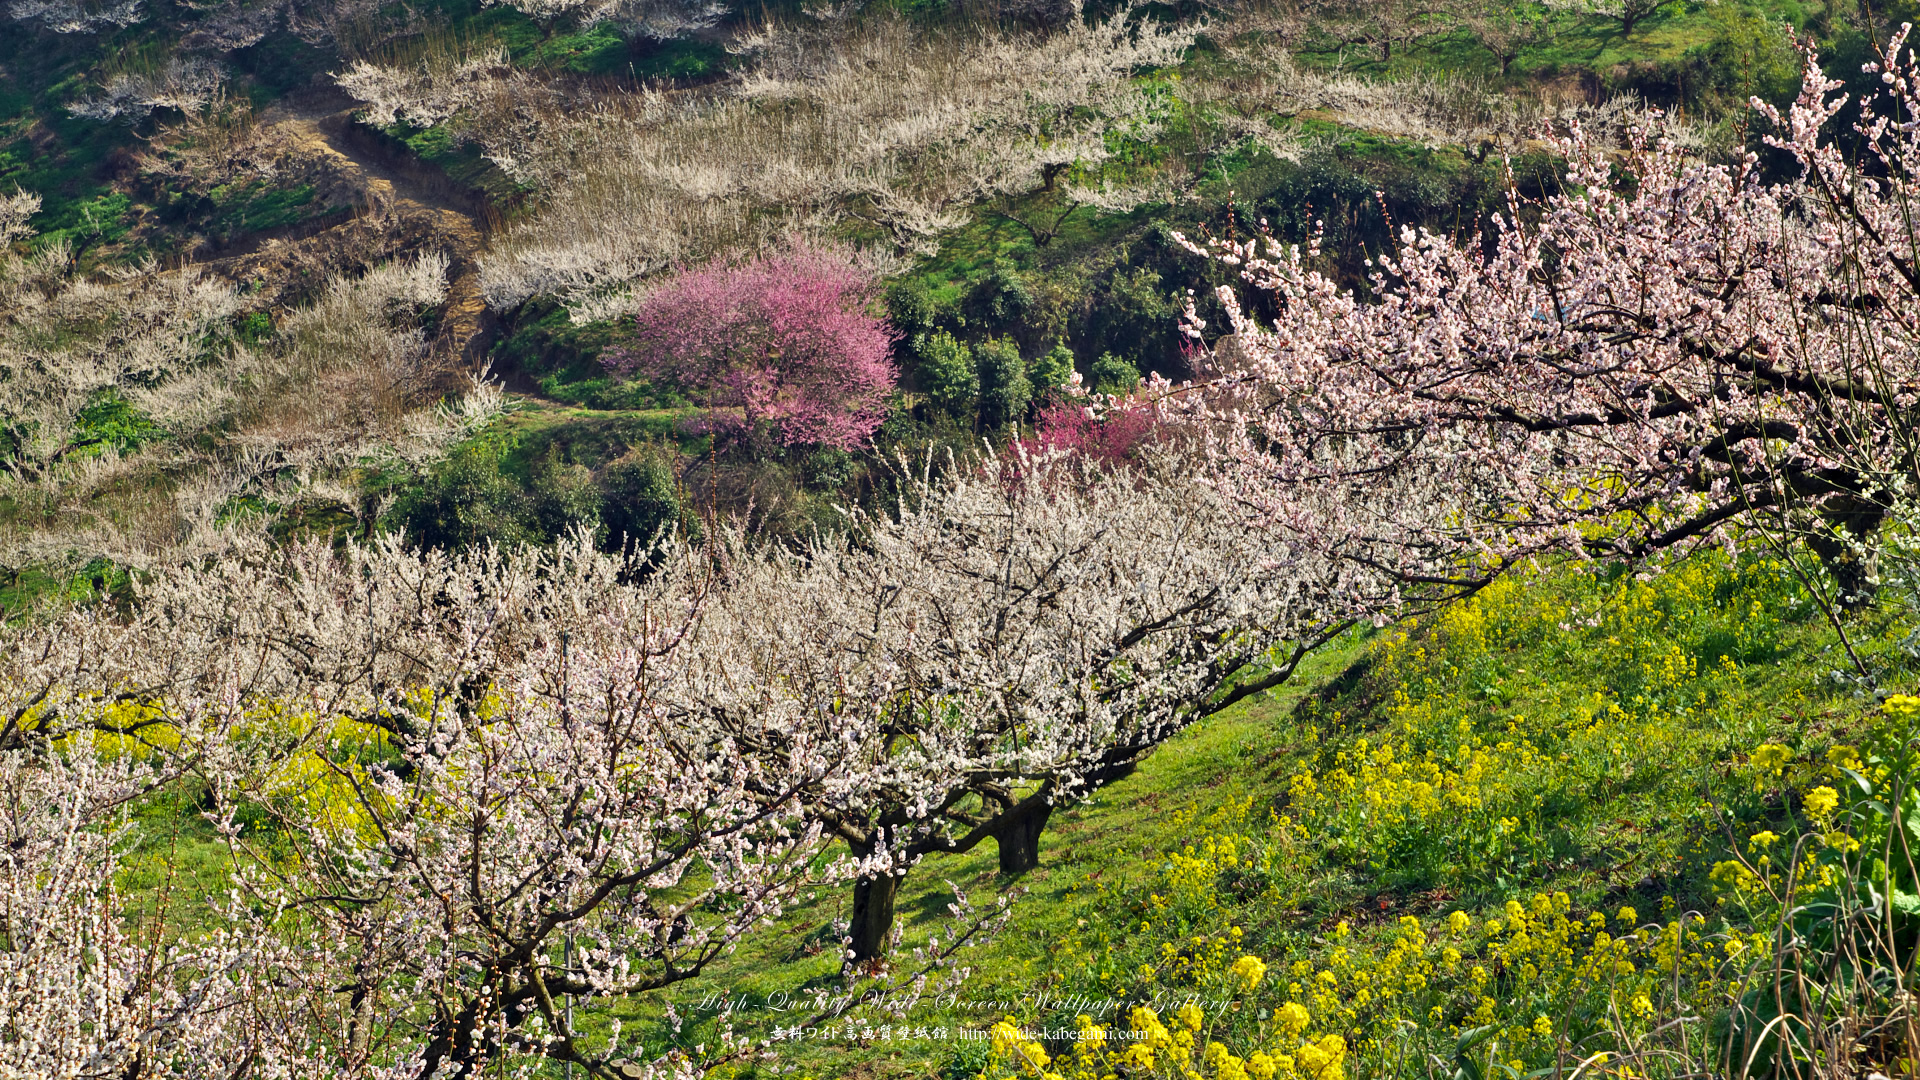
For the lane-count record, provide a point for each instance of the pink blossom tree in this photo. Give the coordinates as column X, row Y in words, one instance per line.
column 1098, row 428
column 1667, row 352
column 779, row 350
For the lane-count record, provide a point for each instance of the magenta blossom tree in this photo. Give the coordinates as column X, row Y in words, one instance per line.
column 1109, row 431
column 778, row 350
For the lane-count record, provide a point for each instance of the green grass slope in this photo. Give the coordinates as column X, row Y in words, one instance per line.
column 1571, row 755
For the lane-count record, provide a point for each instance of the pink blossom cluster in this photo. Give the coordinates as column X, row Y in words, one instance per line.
column 780, row 348
column 1110, row 431
column 1664, row 352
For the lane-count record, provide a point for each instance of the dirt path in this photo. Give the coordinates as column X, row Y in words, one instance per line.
column 399, row 206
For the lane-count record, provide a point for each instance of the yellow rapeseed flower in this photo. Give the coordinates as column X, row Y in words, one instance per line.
column 1250, row 969
column 1322, row 1060
column 1291, row 1019
column 1821, row 801
column 1770, row 758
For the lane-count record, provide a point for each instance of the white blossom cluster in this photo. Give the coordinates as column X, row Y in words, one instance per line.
column 433, row 770
column 186, row 83
column 76, row 17
column 881, row 122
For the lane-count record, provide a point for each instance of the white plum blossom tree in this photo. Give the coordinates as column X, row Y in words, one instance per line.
column 1008, row 640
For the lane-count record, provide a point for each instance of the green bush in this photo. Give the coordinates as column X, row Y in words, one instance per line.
column 1135, row 312
column 564, row 498
column 639, row 501
column 1001, row 296
column 1004, row 389
column 946, row 373
column 1050, row 371
column 1114, row 375
column 111, row 420
column 910, row 307
column 467, row 499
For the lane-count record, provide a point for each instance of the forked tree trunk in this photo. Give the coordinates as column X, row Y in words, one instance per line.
column 1020, row 841
column 873, row 899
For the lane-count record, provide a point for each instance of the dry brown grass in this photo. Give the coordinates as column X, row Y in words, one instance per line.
column 345, row 381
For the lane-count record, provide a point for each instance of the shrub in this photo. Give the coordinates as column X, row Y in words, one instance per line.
column 1114, row 375
column 465, row 500
column 911, row 307
column 946, row 373
column 109, row 419
column 779, row 350
column 1050, row 372
column 1004, row 389
column 565, row 498
column 1002, row 296
column 640, row 501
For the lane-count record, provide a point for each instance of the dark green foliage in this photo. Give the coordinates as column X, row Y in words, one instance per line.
column 1113, row 375
column 641, row 501
column 281, row 63
column 24, row 587
column 100, row 220
column 564, row 498
column 899, row 426
column 252, row 328
column 1001, row 296
column 827, row 469
column 1135, row 315
column 474, row 497
column 467, row 500
column 65, row 160
column 946, row 373
column 1050, row 371
column 910, row 307
column 1118, row 283
column 1004, row 389
column 967, row 1060
column 598, row 50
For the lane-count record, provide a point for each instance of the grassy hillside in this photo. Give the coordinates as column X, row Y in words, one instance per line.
column 1577, row 755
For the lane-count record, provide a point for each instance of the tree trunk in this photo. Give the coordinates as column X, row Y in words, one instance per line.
column 872, row 917
column 1854, row 519
column 1020, row 841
